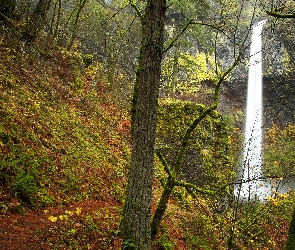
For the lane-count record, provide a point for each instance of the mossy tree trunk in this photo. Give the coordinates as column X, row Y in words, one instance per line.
column 7, row 8
column 290, row 245
column 135, row 225
column 36, row 21
column 161, row 207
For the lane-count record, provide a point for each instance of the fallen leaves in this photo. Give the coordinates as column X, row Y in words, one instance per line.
column 52, row 218
column 64, row 216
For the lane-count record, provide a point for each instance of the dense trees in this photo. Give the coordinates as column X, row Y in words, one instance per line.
column 55, row 20
column 139, row 182
column 73, row 32
column 144, row 109
column 36, row 21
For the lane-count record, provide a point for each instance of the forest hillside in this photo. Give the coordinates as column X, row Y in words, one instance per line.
column 65, row 153
column 64, row 150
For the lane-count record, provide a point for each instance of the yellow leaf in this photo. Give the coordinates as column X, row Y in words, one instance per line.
column 78, row 210
column 52, row 218
column 61, row 217
column 70, row 213
column 46, row 211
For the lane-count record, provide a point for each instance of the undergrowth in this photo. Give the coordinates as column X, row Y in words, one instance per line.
column 64, row 140
column 61, row 133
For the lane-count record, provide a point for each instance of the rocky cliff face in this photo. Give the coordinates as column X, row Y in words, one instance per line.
column 279, row 102
column 279, row 73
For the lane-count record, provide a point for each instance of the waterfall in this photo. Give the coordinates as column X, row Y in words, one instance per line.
column 252, row 158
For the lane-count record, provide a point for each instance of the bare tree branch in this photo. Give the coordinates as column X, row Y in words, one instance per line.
column 190, row 22
column 192, row 189
column 116, row 13
column 164, row 163
column 177, row 36
column 133, row 5
column 278, row 15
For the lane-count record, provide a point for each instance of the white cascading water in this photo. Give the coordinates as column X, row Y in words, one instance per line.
column 252, row 161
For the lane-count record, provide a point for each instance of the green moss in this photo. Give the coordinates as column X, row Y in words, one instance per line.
column 208, row 155
column 279, row 156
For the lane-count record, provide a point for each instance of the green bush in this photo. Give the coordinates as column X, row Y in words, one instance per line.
column 44, row 199
column 25, row 187
column 208, row 158
column 166, row 243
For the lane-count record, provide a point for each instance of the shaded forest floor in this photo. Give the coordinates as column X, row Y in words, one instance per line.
column 33, row 229
column 64, row 152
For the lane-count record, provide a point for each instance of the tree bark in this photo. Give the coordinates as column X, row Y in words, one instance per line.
column 135, row 226
column 36, row 22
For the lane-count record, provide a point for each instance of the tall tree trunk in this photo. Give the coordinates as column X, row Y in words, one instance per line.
column 290, row 245
column 135, row 226
column 57, row 21
column 36, row 21
column 7, row 8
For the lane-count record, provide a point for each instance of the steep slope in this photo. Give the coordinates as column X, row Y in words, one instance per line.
column 64, row 149
column 64, row 153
